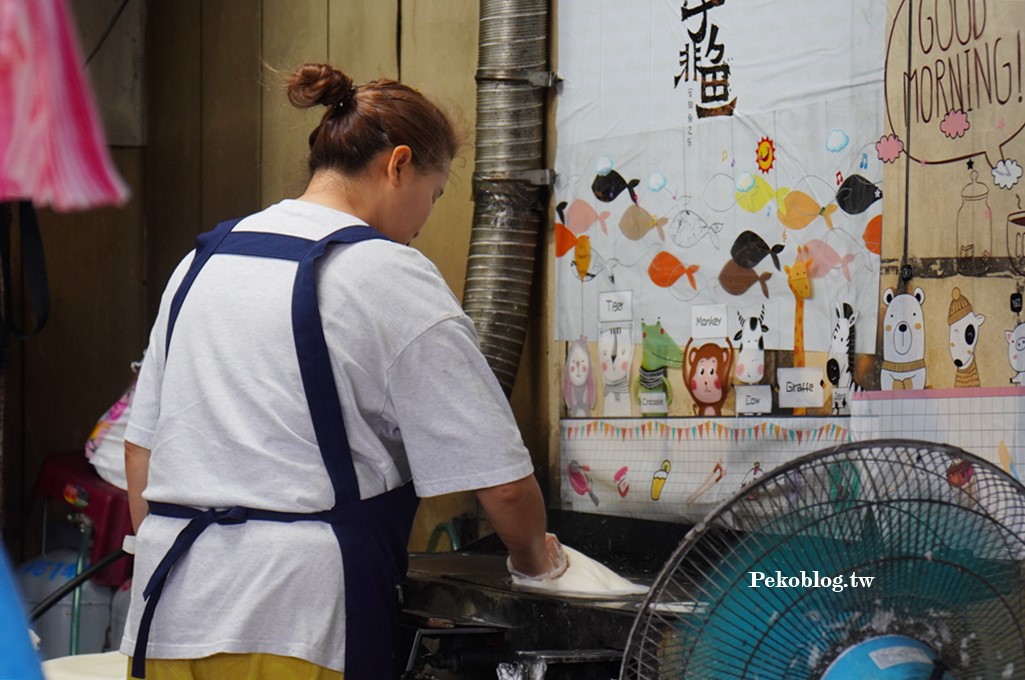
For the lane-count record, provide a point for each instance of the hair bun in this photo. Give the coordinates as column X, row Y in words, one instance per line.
column 319, row 84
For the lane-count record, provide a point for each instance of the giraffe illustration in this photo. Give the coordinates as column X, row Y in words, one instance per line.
column 800, row 286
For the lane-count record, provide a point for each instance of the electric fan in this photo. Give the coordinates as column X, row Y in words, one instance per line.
column 873, row 560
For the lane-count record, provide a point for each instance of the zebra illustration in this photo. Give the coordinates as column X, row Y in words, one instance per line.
column 840, row 365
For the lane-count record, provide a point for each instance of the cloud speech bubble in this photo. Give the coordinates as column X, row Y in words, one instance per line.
column 962, row 92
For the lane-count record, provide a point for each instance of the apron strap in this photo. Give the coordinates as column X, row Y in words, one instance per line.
column 315, row 365
column 199, row 520
column 206, row 245
column 307, row 328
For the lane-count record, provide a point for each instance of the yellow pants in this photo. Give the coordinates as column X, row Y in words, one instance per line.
column 236, row 667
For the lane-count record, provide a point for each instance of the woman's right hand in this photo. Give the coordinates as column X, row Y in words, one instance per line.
column 555, row 562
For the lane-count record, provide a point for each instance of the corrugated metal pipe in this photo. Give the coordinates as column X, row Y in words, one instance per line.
column 509, row 180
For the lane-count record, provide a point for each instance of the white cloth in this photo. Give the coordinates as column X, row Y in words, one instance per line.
column 584, row 577
column 227, row 422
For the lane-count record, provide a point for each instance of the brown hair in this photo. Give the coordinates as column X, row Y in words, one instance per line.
column 363, row 120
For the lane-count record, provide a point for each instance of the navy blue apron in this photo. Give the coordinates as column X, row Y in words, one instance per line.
column 372, row 533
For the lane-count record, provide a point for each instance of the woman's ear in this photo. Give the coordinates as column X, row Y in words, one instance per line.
column 401, row 159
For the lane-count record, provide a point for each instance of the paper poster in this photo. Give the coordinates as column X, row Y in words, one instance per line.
column 678, row 469
column 953, row 150
column 987, row 421
column 707, row 150
column 800, row 387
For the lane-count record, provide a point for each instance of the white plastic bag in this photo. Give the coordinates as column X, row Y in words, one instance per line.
column 105, row 448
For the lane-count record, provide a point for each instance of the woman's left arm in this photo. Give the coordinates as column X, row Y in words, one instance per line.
column 136, row 472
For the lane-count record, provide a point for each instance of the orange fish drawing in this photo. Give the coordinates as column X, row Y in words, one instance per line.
column 586, row 261
column 565, row 240
column 798, row 210
column 582, row 255
column 873, row 235
column 665, row 269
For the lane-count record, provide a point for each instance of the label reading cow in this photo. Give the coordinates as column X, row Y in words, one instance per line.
column 754, row 399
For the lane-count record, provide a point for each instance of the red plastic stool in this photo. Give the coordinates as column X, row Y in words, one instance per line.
column 70, row 478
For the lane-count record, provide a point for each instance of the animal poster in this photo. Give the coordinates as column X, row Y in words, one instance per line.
column 953, row 149
column 953, row 144
column 723, row 171
column 719, row 156
column 677, row 469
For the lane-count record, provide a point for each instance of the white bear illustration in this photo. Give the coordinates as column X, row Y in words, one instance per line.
column 903, row 341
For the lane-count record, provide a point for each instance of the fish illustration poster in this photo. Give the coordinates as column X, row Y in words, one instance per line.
column 708, row 151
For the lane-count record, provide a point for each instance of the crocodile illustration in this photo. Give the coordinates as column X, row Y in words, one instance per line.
column 651, row 389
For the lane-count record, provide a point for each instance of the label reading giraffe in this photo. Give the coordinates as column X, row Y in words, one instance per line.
column 800, row 286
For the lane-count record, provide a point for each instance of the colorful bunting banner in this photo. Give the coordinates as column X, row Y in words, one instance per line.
column 652, row 430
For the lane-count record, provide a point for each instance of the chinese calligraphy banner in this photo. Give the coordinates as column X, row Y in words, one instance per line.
column 717, row 159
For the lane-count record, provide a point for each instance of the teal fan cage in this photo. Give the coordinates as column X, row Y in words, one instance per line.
column 899, row 559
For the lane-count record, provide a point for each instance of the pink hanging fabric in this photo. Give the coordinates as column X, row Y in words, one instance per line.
column 52, row 147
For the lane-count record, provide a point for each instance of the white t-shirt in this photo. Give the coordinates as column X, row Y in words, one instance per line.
column 227, row 422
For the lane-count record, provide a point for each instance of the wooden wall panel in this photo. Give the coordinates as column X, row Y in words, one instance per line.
column 79, row 364
column 173, row 170
column 363, row 38
column 117, row 67
column 294, row 32
column 230, row 110
column 446, row 75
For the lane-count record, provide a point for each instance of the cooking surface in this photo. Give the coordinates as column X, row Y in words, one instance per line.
column 489, row 572
column 473, row 588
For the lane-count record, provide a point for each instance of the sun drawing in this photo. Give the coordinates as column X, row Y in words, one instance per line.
column 766, row 154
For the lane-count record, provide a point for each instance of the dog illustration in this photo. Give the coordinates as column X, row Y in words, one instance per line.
column 964, row 338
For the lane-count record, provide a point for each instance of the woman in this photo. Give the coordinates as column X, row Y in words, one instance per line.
column 306, row 372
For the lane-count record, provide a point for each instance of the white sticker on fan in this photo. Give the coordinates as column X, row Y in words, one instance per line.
column 895, row 656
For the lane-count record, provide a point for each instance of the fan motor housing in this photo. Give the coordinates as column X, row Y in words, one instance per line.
column 887, row 657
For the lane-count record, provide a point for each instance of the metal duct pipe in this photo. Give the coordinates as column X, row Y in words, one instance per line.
column 509, row 179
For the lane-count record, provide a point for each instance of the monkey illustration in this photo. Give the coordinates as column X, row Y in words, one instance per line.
column 706, row 375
